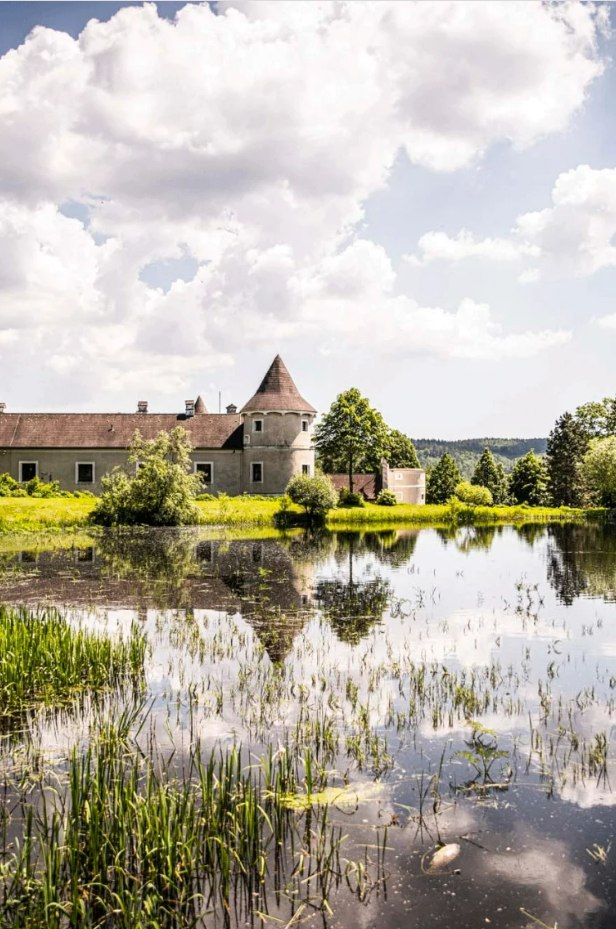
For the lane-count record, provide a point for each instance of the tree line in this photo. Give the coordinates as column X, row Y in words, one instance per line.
column 578, row 469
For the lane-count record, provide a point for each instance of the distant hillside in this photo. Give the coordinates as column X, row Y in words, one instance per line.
column 466, row 452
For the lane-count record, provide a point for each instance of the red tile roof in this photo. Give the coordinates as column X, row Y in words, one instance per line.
column 277, row 392
column 364, row 484
column 115, row 430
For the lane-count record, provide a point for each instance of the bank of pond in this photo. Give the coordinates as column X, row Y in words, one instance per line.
column 408, row 727
column 36, row 514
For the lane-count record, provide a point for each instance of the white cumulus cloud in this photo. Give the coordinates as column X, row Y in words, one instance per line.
column 249, row 142
column 572, row 236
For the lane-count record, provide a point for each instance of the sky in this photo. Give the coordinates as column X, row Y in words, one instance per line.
column 414, row 199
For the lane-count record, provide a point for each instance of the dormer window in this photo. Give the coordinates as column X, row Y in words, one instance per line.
column 257, row 425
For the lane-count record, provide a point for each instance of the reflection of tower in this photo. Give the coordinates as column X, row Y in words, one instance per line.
column 277, row 433
column 271, row 588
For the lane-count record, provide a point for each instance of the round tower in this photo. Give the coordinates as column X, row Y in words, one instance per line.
column 277, row 425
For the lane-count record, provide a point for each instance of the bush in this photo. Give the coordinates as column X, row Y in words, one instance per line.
column 347, row 498
column 35, row 487
column 474, row 494
column 160, row 493
column 316, row 494
column 9, row 487
column 387, row 498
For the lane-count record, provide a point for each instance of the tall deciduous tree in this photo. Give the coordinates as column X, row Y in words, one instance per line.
column 599, row 470
column 567, row 445
column 597, row 418
column 442, row 480
column 399, row 451
column 529, row 480
column 351, row 435
column 491, row 474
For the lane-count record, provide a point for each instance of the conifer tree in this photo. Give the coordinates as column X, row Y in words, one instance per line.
column 491, row 474
column 529, row 480
column 567, row 445
column 442, row 480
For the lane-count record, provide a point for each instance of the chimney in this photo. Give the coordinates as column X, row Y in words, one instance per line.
column 142, row 406
column 2, row 407
column 190, row 407
column 232, row 408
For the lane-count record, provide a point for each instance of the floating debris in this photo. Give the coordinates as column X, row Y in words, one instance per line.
column 442, row 858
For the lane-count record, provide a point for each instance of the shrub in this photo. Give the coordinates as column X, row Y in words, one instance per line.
column 316, row 494
column 160, row 493
column 348, row 498
column 474, row 494
column 387, row 498
column 35, row 487
column 9, row 487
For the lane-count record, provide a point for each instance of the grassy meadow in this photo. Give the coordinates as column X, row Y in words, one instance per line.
column 31, row 514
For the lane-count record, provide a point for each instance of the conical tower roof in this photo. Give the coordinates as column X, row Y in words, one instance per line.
column 200, row 406
column 277, row 392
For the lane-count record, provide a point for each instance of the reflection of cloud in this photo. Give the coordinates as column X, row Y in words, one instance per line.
column 544, row 865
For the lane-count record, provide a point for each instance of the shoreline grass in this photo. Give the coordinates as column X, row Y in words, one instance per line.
column 49, row 515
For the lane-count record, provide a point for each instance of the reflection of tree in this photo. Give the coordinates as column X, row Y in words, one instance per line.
column 162, row 559
column 354, row 606
column 531, row 532
column 390, row 547
column 476, row 538
column 582, row 560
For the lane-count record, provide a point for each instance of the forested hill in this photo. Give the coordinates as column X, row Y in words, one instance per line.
column 466, row 452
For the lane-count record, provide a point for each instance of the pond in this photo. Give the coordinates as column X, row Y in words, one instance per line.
column 426, row 718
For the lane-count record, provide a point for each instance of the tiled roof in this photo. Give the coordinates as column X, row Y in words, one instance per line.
column 115, row 430
column 364, row 484
column 278, row 392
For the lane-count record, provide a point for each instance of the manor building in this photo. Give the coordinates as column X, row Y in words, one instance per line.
column 254, row 451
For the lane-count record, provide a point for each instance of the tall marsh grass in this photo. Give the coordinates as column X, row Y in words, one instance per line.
column 129, row 840
column 44, row 660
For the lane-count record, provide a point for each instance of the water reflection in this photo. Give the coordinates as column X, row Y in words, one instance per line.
column 442, row 664
column 582, row 561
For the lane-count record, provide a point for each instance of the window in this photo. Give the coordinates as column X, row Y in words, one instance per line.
column 305, row 469
column 304, row 425
column 257, row 425
column 205, row 552
column 206, row 470
column 84, row 472
column 28, row 470
column 257, row 472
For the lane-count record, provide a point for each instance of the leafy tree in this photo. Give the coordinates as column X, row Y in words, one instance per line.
column 529, row 480
column 597, row 418
column 161, row 490
column 491, row 474
column 351, row 435
column 316, row 494
column 442, row 480
column 567, row 445
column 599, row 470
column 399, row 451
column 474, row 494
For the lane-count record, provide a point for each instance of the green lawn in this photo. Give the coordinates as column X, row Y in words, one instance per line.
column 33, row 514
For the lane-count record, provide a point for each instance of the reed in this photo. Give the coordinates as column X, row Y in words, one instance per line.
column 131, row 841
column 44, row 660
